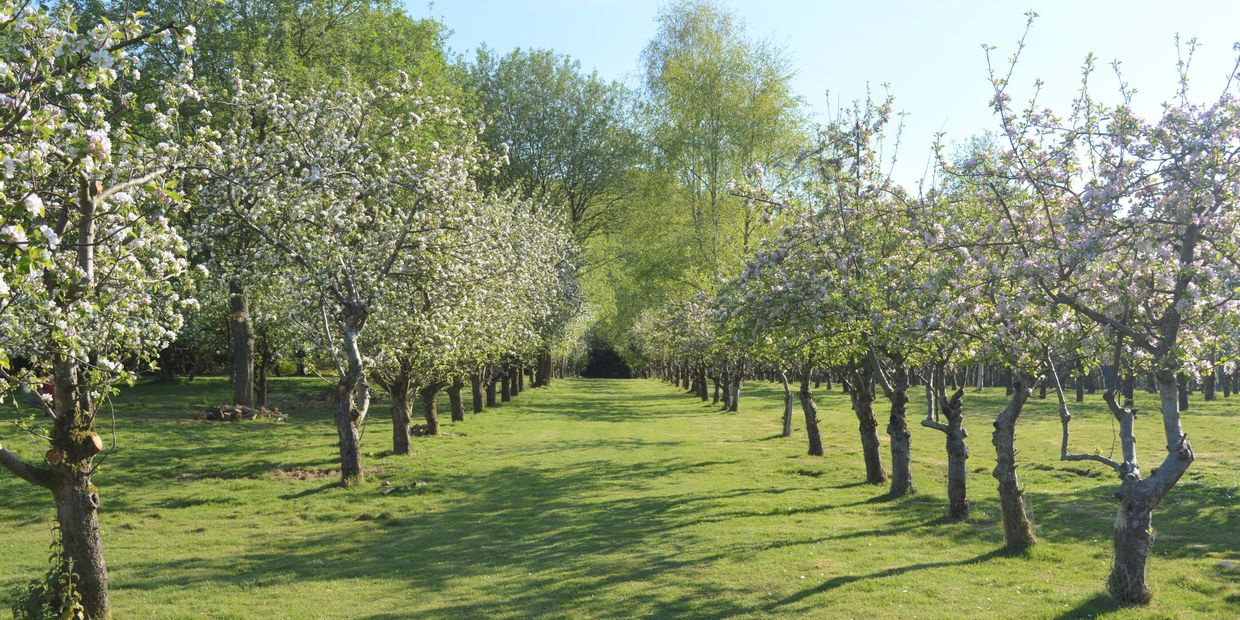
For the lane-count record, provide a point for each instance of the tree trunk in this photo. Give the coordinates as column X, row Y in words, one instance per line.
column 76, row 504
column 262, row 364
column 897, row 430
column 519, row 386
column 399, row 391
column 811, row 415
column 353, row 400
column 1183, row 391
column 242, row 345
column 787, row 405
column 726, row 380
column 454, row 397
column 75, row 445
column 715, row 380
column 734, row 402
column 430, row 407
column 1017, row 530
column 1129, row 387
column 475, row 392
column 1080, row 383
column 505, row 385
column 544, row 369
column 491, row 400
column 1138, row 497
column 957, row 450
column 862, row 396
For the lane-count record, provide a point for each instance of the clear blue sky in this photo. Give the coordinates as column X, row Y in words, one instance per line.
column 928, row 51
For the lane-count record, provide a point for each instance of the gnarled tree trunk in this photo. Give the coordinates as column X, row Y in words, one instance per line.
column 399, row 390
column 1017, row 529
column 353, row 399
column 957, row 451
column 1138, row 497
column 811, row 414
column 430, row 408
column 897, row 430
column 862, row 396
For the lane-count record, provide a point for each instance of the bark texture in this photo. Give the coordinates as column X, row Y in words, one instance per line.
column 1017, row 529
column 353, row 399
column 897, row 430
column 399, row 390
column 430, row 407
column 1138, row 497
column 811, row 416
column 242, row 345
column 952, row 410
column 862, row 396
column 454, row 399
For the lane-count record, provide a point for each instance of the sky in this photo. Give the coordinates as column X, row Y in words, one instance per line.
column 928, row 53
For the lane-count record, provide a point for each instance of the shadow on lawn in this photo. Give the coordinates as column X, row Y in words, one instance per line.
column 1092, row 607
column 844, row 580
column 545, row 538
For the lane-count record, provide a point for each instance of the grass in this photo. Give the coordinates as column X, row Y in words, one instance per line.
column 598, row 498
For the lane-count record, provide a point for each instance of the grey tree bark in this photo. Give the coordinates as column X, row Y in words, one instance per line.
column 1017, row 529
column 952, row 410
column 734, row 400
column 898, row 431
column 242, row 344
column 811, row 414
column 861, row 393
column 353, row 398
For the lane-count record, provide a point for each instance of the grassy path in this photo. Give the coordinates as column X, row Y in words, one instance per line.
column 603, row 499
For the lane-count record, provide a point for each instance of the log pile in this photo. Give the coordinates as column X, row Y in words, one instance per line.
column 237, row 413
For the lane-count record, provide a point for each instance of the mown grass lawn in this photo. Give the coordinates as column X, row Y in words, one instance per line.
column 610, row 499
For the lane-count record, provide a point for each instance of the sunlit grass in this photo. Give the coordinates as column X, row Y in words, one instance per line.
column 618, row 499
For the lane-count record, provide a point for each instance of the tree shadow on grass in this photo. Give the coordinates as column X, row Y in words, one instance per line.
column 844, row 580
column 1092, row 607
column 546, row 539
